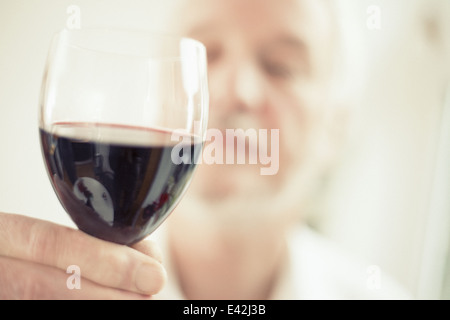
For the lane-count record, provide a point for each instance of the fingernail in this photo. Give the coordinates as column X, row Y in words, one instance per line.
column 150, row 278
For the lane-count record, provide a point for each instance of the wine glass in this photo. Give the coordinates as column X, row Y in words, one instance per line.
column 122, row 121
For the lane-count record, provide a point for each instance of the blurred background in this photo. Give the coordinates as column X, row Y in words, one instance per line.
column 388, row 200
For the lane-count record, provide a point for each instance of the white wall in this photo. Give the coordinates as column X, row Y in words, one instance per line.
column 379, row 205
column 381, row 200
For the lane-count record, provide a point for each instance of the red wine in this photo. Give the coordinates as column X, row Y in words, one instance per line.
column 117, row 183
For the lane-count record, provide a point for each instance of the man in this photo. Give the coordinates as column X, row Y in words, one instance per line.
column 237, row 234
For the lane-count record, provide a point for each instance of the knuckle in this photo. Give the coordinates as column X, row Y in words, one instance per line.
column 52, row 245
column 115, row 270
column 42, row 240
column 18, row 282
column 8, row 287
column 31, row 288
column 38, row 286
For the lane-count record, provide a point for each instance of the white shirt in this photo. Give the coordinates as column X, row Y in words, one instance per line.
column 316, row 269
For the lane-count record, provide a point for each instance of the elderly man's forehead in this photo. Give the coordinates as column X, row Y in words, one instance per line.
column 302, row 28
column 201, row 15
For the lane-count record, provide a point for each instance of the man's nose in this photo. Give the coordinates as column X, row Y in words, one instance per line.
column 247, row 88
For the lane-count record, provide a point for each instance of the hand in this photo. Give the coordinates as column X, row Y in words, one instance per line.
column 35, row 255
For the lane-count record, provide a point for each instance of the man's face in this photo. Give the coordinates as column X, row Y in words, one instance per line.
column 268, row 65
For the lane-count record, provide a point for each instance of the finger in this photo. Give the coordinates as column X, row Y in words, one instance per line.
column 149, row 248
column 21, row 280
column 102, row 262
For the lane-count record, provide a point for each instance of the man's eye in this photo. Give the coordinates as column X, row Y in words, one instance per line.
column 213, row 54
column 278, row 70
